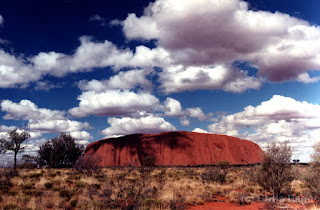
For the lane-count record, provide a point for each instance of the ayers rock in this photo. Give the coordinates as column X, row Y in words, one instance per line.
column 174, row 149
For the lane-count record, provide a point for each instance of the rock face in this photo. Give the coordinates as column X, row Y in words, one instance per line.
column 174, row 149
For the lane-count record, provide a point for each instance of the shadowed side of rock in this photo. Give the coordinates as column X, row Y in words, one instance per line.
column 175, row 149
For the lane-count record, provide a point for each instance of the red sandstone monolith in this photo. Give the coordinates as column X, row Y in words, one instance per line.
column 174, row 149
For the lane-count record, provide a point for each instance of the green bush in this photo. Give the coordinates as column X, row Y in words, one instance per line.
column 60, row 152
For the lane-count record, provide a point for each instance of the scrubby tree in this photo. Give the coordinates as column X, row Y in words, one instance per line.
column 60, row 152
column 14, row 143
column 275, row 173
column 312, row 177
column 316, row 154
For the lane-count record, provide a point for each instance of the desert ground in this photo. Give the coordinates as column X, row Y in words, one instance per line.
column 149, row 188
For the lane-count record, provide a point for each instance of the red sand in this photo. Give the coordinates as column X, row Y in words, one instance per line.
column 174, row 149
column 227, row 206
column 234, row 206
column 231, row 206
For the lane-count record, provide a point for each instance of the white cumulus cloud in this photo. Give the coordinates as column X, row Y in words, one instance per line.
column 19, row 71
column 199, row 130
column 41, row 120
column 214, row 32
column 126, row 125
column 178, row 79
column 114, row 103
column 82, row 137
column 173, row 108
column 280, row 118
column 125, row 80
column 28, row 110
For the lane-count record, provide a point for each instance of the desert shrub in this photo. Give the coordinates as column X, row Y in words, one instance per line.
column 275, row 173
column 149, row 161
column 73, row 203
column 214, row 175
column 80, row 185
column 48, row 185
column 60, row 152
column 53, row 174
column 223, row 163
column 11, row 206
column 83, row 204
column 96, row 186
column 49, row 205
column 35, row 175
column 74, row 177
column 62, row 204
column 131, row 188
column 151, row 203
column 191, row 173
column 32, row 192
column 177, row 204
column 312, row 178
column 209, row 193
column 234, row 197
column 27, row 186
column 57, row 189
column 65, row 194
column 5, row 185
column 88, row 165
column 29, row 189
column 12, row 192
column 98, row 205
column 92, row 190
column 249, row 189
column 23, row 200
column 38, row 193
